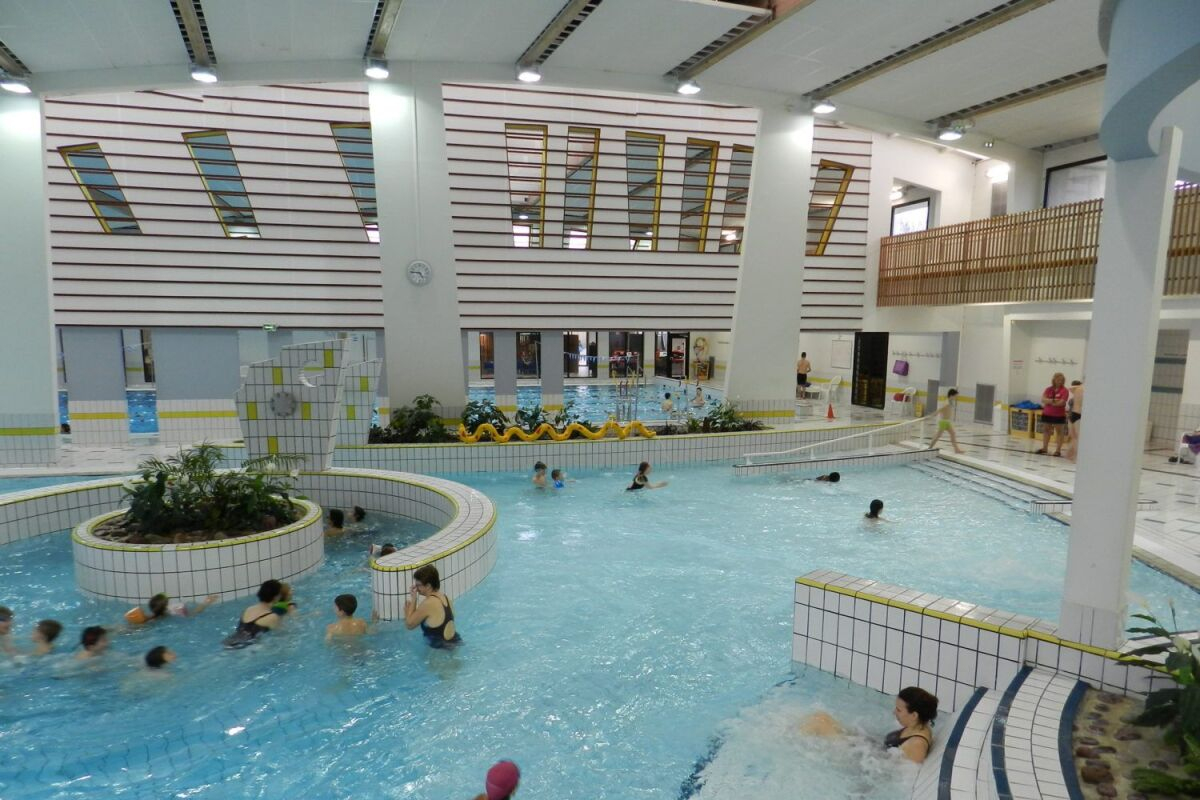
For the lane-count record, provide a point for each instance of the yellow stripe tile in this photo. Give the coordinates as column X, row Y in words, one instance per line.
column 272, row 444
column 98, row 415
column 306, row 411
column 364, row 383
column 328, row 359
column 195, row 414
column 28, row 431
column 351, row 412
column 251, row 410
column 277, row 376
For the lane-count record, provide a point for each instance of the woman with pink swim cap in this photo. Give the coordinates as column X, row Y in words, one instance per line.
column 502, row 780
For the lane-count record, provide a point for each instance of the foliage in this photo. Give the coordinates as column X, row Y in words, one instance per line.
column 566, row 415
column 419, row 423
column 479, row 412
column 529, row 418
column 725, row 418
column 187, row 493
column 1153, row 781
column 1177, row 708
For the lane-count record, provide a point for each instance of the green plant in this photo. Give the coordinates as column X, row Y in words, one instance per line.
column 186, row 493
column 529, row 418
column 1153, row 781
column 1176, row 708
column 479, row 412
column 566, row 415
column 725, row 418
column 419, row 423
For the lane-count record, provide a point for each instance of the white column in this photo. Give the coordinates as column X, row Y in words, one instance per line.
column 421, row 323
column 504, row 355
column 1138, row 203
column 761, row 375
column 601, row 355
column 552, row 371
column 28, row 399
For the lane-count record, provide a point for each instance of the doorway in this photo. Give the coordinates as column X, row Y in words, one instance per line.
column 671, row 354
column 869, row 382
column 579, row 354
column 625, row 353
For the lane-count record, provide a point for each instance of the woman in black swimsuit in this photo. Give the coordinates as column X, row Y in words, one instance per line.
column 433, row 613
column 915, row 711
column 642, row 479
column 258, row 618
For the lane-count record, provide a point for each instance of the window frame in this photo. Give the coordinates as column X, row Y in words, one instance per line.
column 1046, row 176
column 744, row 202
column 659, row 139
column 544, row 130
column 93, row 148
column 370, row 221
column 188, row 136
column 925, row 201
column 714, row 147
column 591, row 196
column 835, row 208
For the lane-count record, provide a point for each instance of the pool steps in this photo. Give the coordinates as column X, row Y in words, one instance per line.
column 1008, row 491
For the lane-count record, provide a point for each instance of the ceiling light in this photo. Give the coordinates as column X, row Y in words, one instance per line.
column 376, row 68
column 687, row 87
column 15, row 85
column 823, row 107
column 990, row 143
column 522, row 216
column 204, row 74
column 949, row 135
column 897, row 193
column 954, row 131
column 530, row 74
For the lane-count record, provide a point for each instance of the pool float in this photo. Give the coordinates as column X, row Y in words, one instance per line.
column 549, row 431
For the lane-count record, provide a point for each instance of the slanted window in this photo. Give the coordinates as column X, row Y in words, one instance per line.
column 99, row 186
column 579, row 190
column 829, row 190
column 219, row 170
column 699, row 170
column 643, row 175
column 526, row 182
column 737, row 191
column 358, row 157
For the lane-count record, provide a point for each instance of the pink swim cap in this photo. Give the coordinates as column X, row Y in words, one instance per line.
column 502, row 780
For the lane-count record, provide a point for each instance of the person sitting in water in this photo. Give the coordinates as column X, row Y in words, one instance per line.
column 833, row 477
column 284, row 605
column 698, row 398
column 344, row 606
column 642, row 479
column 94, row 641
column 44, row 634
column 502, row 781
column 433, row 611
column 6, row 618
column 258, row 618
column 874, row 514
column 559, row 479
column 379, row 551
column 160, row 607
column 358, row 515
column 335, row 523
column 539, row 475
column 668, row 405
column 915, row 710
column 158, row 658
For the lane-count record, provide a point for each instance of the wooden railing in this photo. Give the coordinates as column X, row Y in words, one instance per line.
column 1035, row 256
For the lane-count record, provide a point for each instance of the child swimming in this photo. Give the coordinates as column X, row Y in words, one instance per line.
column 642, row 479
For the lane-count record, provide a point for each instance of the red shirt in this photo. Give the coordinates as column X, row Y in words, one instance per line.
column 1055, row 393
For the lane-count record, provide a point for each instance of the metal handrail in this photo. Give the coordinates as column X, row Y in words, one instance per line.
column 870, row 436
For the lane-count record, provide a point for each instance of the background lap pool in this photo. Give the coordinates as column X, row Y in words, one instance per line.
column 618, row 634
column 596, row 402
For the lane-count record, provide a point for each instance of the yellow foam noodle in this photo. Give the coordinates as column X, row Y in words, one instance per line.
column 547, row 430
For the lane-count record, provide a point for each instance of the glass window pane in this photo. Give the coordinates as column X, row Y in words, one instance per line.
column 218, row 169
column 830, row 184
column 699, row 171
column 358, row 159
column 99, row 186
column 527, row 152
column 643, row 169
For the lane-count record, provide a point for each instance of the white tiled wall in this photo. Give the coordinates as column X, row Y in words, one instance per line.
column 28, row 438
column 37, row 511
column 1170, row 360
column 99, row 421
column 229, row 569
column 358, row 401
column 188, row 421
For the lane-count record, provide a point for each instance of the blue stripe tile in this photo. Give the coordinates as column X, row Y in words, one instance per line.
column 1066, row 754
column 951, row 748
column 999, row 726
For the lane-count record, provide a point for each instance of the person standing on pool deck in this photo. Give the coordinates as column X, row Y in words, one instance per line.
column 1074, row 417
column 433, row 612
column 944, row 423
column 642, row 479
column 803, row 367
column 1054, row 413
column 502, row 781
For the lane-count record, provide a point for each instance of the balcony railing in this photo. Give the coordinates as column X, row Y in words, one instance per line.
column 1035, row 256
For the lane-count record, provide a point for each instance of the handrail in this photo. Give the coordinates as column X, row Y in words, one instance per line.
column 885, row 429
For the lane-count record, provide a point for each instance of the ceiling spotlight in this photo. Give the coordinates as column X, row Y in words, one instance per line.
column 687, row 87
column 823, row 107
column 954, row 130
column 13, row 84
column 204, row 74
column 990, row 143
column 376, row 68
column 897, row 193
column 530, row 74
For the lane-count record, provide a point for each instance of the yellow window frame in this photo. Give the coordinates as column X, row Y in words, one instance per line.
column 334, row 127
column 187, row 138
column 714, row 148
column 591, row 205
column 835, row 208
column 660, row 140
column 64, row 152
column 544, row 130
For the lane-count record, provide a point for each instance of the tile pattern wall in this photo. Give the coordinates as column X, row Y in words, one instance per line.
column 309, row 378
column 188, row 421
column 887, row 637
column 101, row 422
column 28, row 438
column 779, row 410
column 1166, row 386
column 229, row 569
column 358, row 401
column 34, row 512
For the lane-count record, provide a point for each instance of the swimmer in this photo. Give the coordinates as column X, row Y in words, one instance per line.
column 642, row 479
column 559, row 479
column 284, row 605
column 433, row 611
column 379, row 551
column 915, row 710
column 344, row 606
column 160, row 608
column 502, row 781
column 258, row 618
column 539, row 475
column 698, row 398
column 833, row 477
column 335, row 523
column 44, row 634
column 668, row 405
column 158, row 658
column 874, row 514
column 94, row 642
column 358, row 514
column 6, row 618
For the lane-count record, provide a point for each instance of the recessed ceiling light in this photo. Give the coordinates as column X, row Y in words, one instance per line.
column 376, row 68
column 687, row 87
column 204, row 74
column 949, row 134
column 823, row 107
column 530, row 74
column 15, row 85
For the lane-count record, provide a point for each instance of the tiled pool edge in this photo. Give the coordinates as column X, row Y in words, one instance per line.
column 837, row 462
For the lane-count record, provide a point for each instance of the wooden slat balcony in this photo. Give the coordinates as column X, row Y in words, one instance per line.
column 1038, row 256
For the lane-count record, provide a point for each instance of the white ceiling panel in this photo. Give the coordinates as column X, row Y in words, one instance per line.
column 469, row 30
column 61, row 35
column 1052, row 119
column 830, row 38
column 251, row 31
column 1055, row 40
column 644, row 36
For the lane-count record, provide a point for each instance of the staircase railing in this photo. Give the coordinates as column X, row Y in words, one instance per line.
column 872, row 439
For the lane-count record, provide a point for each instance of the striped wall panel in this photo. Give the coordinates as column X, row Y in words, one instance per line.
column 313, row 266
column 834, row 283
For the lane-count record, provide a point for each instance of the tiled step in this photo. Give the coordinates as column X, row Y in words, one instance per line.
column 1031, row 744
column 955, row 768
column 1008, row 491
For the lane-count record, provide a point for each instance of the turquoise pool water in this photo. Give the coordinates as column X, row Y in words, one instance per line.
column 596, row 402
column 619, row 637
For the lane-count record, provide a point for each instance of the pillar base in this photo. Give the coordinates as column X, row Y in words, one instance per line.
column 188, row 421
column 768, row 411
column 1095, row 626
column 28, row 438
column 99, row 422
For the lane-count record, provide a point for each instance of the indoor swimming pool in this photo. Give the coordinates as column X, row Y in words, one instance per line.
column 625, row 646
column 141, row 405
column 596, row 402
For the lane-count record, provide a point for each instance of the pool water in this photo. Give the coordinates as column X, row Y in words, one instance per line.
column 595, row 403
column 141, row 406
column 619, row 637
